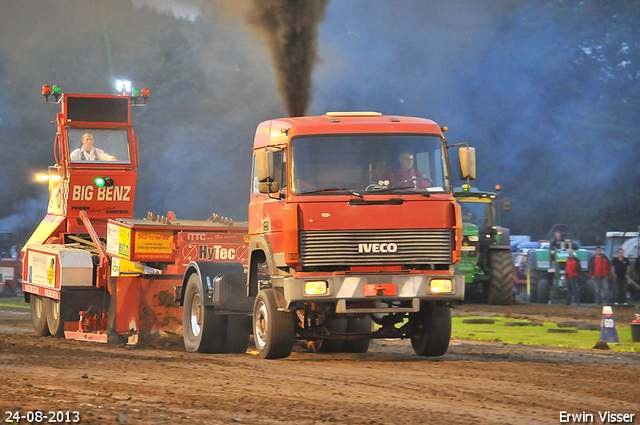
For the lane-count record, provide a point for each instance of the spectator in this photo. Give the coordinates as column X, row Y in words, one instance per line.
column 620, row 267
column 572, row 273
column 599, row 270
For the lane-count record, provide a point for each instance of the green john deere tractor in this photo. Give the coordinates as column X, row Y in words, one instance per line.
column 486, row 262
column 546, row 266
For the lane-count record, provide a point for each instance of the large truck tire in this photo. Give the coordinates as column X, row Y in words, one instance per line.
column 430, row 329
column 273, row 331
column 38, row 315
column 238, row 333
column 543, row 291
column 204, row 331
column 359, row 325
column 55, row 316
column 328, row 345
column 501, row 278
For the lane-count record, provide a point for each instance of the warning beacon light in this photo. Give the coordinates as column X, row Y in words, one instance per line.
column 54, row 91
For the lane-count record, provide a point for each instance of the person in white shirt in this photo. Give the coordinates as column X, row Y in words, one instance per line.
column 88, row 153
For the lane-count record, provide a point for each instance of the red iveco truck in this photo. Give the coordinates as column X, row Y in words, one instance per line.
column 336, row 242
column 351, row 221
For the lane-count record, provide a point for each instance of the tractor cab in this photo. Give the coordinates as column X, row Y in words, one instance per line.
column 486, row 259
column 96, row 156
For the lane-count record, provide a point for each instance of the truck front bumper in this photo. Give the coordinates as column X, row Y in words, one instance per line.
column 352, row 293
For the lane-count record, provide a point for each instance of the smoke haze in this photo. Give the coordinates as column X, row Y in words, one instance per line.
column 546, row 91
column 291, row 30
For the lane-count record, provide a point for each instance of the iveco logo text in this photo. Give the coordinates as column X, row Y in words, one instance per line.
column 377, row 247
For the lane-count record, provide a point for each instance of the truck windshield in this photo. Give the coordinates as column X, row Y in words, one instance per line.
column 386, row 163
column 92, row 145
column 478, row 213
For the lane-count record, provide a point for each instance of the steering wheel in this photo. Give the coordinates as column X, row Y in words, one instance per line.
column 416, row 179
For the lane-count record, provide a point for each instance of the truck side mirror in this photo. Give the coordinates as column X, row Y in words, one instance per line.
column 264, row 166
column 467, row 158
column 506, row 205
column 268, row 187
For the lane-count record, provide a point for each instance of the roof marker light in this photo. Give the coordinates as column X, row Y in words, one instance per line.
column 123, row 87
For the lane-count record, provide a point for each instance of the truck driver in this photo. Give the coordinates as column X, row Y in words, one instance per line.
column 88, row 153
column 405, row 176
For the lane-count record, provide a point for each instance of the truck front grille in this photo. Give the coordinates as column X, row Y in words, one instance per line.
column 371, row 247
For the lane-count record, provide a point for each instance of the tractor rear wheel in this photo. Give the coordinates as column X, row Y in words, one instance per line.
column 591, row 292
column 38, row 315
column 431, row 329
column 543, row 291
column 204, row 331
column 273, row 330
column 358, row 325
column 501, row 283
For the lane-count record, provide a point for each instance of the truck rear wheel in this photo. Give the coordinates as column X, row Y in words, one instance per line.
column 238, row 333
column 328, row 345
column 501, row 283
column 273, row 330
column 38, row 315
column 358, row 325
column 431, row 329
column 204, row 331
column 55, row 317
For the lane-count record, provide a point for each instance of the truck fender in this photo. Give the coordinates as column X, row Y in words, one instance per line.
column 211, row 275
column 259, row 252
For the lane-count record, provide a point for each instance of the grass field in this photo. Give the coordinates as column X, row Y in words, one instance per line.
column 536, row 335
column 497, row 332
column 13, row 302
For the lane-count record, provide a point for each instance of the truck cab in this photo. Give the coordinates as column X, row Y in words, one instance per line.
column 336, row 235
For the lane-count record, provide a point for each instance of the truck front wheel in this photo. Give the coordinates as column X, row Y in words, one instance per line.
column 38, row 315
column 430, row 329
column 273, row 330
column 203, row 330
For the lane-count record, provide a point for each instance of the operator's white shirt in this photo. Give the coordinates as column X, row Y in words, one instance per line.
column 96, row 154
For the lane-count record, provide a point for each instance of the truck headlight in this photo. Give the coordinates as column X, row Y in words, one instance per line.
column 441, row 286
column 316, row 287
column 473, row 238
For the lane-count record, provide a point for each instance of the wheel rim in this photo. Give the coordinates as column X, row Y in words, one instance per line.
column 55, row 310
column 38, row 307
column 261, row 321
column 196, row 315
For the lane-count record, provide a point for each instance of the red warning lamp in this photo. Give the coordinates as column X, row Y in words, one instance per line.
column 46, row 90
column 144, row 92
column 498, row 188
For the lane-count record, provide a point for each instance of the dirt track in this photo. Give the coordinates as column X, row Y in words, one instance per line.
column 474, row 383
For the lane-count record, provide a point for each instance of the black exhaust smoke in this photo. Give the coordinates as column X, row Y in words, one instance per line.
column 291, row 30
